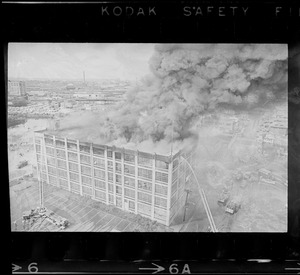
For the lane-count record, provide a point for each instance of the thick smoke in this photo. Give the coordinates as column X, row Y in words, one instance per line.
column 190, row 80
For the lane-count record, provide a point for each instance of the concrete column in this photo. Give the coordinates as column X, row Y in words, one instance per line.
column 56, row 166
column 92, row 172
column 45, row 157
column 35, row 152
column 114, row 176
column 171, row 191
column 67, row 160
column 43, row 152
column 106, row 177
column 177, row 194
column 122, row 178
column 170, row 171
column 79, row 165
column 153, row 187
column 38, row 171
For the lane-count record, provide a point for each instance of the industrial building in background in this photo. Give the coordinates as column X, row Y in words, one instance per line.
column 16, row 88
column 151, row 185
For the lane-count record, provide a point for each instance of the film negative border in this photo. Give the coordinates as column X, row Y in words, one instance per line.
column 159, row 253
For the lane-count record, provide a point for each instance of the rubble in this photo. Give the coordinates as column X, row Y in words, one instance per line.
column 33, row 215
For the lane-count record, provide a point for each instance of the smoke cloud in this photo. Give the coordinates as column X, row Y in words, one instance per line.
column 190, row 80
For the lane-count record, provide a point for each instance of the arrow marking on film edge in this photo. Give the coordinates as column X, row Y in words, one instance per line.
column 156, row 269
column 15, row 267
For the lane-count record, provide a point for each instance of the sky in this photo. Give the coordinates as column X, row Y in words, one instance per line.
column 69, row 60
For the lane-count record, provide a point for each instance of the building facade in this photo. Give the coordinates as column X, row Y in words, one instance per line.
column 16, row 88
column 151, row 185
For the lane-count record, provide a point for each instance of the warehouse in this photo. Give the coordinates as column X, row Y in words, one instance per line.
column 16, row 88
column 151, row 185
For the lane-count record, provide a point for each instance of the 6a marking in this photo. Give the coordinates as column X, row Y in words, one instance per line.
column 173, row 269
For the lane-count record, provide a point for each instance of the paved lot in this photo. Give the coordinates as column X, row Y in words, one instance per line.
column 82, row 216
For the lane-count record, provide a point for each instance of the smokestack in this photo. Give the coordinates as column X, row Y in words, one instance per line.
column 84, row 77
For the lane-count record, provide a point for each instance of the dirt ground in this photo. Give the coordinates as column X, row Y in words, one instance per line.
column 20, row 146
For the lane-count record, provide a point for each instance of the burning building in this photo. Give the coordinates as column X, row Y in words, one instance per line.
column 188, row 82
column 151, row 185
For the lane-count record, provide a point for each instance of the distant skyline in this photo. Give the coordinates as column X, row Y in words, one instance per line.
column 67, row 61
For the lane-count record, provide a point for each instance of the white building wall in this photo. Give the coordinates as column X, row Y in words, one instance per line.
column 136, row 177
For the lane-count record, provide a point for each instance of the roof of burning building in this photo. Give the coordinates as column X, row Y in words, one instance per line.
column 165, row 151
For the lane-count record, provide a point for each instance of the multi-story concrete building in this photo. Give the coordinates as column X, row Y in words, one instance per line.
column 16, row 88
column 151, row 185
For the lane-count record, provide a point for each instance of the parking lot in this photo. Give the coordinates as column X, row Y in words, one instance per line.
column 82, row 216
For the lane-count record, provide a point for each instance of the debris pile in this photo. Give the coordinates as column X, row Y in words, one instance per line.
column 30, row 217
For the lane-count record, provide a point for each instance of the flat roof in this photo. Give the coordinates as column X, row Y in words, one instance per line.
column 73, row 134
